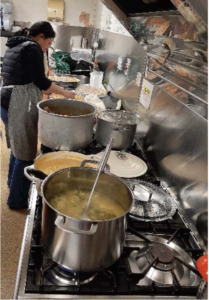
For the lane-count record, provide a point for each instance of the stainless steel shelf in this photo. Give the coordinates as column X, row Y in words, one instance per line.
column 194, row 69
column 178, row 86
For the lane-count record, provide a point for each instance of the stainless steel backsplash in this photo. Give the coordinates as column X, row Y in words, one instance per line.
column 176, row 125
column 68, row 37
column 176, row 141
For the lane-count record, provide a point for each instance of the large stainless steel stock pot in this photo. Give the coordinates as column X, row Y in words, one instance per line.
column 65, row 124
column 78, row 244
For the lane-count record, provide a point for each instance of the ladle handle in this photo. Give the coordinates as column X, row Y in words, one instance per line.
column 105, row 157
column 101, row 169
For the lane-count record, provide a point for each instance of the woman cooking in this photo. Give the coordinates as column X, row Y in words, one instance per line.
column 23, row 82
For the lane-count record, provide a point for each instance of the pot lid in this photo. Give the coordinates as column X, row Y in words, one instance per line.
column 151, row 203
column 120, row 117
column 124, row 164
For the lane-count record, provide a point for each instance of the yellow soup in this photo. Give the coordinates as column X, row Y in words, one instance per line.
column 72, row 203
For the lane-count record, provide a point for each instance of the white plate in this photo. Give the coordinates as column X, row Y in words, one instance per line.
column 125, row 165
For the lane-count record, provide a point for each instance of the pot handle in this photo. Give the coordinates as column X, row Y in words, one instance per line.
column 96, row 162
column 36, row 174
column 60, row 221
column 27, row 173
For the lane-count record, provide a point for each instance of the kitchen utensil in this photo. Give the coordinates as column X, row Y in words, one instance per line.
column 84, row 245
column 121, row 125
column 69, row 127
column 141, row 193
column 84, row 43
column 51, row 162
column 101, row 169
column 202, row 266
column 96, row 78
column 124, row 164
column 159, row 207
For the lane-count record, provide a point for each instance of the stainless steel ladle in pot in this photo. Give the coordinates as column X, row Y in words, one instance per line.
column 101, row 169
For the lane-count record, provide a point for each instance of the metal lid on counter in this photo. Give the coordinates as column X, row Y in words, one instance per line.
column 151, row 203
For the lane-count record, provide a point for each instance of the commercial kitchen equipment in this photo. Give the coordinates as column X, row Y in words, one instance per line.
column 158, row 258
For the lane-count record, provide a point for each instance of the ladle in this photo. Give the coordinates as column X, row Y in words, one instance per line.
column 100, row 170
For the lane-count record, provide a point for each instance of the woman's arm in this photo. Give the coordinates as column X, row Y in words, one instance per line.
column 59, row 90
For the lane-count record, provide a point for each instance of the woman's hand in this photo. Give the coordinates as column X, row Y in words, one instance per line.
column 68, row 94
column 56, row 89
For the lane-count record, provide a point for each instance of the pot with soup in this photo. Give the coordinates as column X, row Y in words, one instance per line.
column 84, row 245
column 52, row 162
column 65, row 124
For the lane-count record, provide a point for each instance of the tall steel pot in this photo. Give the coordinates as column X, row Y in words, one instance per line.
column 65, row 124
column 120, row 125
column 84, row 245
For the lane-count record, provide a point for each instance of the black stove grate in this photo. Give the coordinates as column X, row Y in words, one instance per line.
column 116, row 280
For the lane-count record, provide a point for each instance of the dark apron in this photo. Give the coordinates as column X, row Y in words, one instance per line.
column 23, row 121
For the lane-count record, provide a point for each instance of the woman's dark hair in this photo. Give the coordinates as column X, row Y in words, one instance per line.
column 42, row 27
column 37, row 28
column 22, row 32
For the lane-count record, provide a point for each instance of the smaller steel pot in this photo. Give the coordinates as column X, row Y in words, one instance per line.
column 116, row 124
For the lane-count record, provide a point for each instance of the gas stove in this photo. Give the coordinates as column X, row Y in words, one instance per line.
column 158, row 260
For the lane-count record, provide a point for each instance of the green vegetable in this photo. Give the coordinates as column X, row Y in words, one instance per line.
column 62, row 61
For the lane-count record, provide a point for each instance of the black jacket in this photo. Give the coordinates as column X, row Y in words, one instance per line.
column 22, row 64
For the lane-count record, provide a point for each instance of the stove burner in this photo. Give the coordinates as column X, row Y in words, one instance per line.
column 157, row 261
column 163, row 253
column 62, row 276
